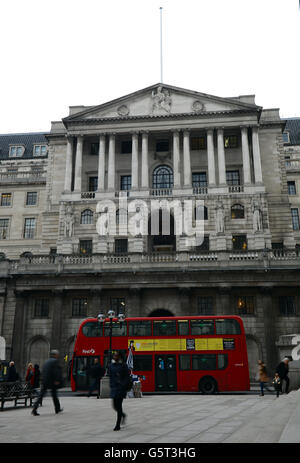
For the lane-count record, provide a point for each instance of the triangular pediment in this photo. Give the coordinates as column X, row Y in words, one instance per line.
column 161, row 100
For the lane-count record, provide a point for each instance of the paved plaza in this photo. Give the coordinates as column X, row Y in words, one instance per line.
column 226, row 418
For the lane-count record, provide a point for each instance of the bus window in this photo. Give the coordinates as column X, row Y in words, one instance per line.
column 204, row 362
column 92, row 329
column 164, row 328
column 183, row 327
column 184, row 362
column 140, row 328
column 202, row 327
column 118, row 329
column 222, row 361
column 227, row 326
column 142, row 362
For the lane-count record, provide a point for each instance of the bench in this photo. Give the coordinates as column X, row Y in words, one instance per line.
column 18, row 392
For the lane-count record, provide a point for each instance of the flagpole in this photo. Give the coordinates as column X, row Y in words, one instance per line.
column 161, row 52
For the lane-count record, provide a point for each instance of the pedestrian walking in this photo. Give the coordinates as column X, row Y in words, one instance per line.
column 119, row 382
column 29, row 377
column 283, row 370
column 262, row 376
column 96, row 372
column 277, row 384
column 12, row 375
column 36, row 377
column 51, row 379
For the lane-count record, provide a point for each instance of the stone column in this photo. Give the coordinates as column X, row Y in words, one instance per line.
column 221, row 158
column 18, row 339
column 176, row 159
column 187, row 159
column 145, row 161
column 134, row 308
column 256, row 156
column 135, row 161
column 211, row 158
column 78, row 164
column 246, row 156
column 57, row 318
column 69, row 158
column 101, row 163
column 95, row 308
column 111, row 162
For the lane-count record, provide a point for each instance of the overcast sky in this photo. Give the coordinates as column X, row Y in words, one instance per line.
column 61, row 53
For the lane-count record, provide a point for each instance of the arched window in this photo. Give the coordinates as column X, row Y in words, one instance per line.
column 162, row 177
column 237, row 211
column 86, row 217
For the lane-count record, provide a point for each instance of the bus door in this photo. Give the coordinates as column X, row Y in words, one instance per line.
column 81, row 366
column 165, row 373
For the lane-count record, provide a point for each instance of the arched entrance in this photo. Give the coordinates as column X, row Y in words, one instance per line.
column 38, row 351
column 161, row 313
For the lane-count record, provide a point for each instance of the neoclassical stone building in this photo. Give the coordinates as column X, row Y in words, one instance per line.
column 159, row 143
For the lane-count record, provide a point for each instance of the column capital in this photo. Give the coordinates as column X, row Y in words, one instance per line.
column 134, row 132
column 186, row 131
column 102, row 134
column 210, row 130
column 220, row 129
column 80, row 137
column 144, row 132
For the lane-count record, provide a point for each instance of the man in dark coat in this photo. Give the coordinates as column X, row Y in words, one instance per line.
column 12, row 375
column 119, row 377
column 282, row 370
column 51, row 379
column 96, row 372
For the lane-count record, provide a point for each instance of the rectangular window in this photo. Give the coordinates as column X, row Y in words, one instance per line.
column 6, row 199
column 295, row 218
column 4, row 229
column 142, row 362
column 287, row 305
column 245, row 305
column 121, row 246
column 140, row 328
column 31, row 198
column 93, row 183
column 79, row 307
column 85, row 247
column 198, row 143
column 183, row 327
column 118, row 329
column 222, row 361
column 92, row 329
column 230, row 141
column 16, row 151
column 277, row 245
column 29, row 228
column 291, row 188
column 227, row 326
column 118, row 304
column 239, row 242
column 40, row 150
column 184, row 362
column 41, row 308
column 286, row 137
column 94, row 149
column 204, row 246
column 232, row 177
column 205, row 305
column 162, row 146
column 204, row 362
column 199, row 179
column 125, row 182
column 164, row 328
column 202, row 327
column 126, row 146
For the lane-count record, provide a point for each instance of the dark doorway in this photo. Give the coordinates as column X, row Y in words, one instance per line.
column 161, row 313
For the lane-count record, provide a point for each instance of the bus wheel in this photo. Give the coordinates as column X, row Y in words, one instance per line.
column 208, row 385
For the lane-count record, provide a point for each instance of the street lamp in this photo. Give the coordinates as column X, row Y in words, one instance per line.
column 111, row 315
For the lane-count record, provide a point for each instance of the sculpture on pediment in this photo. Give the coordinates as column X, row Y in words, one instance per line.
column 123, row 110
column 69, row 222
column 257, row 216
column 198, row 106
column 220, row 217
column 161, row 99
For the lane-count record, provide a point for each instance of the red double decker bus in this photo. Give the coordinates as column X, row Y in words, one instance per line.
column 192, row 354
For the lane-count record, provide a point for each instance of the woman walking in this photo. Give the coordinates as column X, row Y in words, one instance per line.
column 119, row 380
column 262, row 376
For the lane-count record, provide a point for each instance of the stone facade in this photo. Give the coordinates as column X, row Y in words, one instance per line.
column 165, row 143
